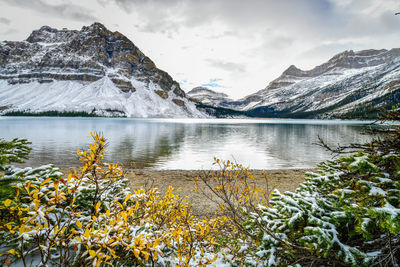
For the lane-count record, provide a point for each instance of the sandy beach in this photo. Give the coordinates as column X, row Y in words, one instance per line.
column 285, row 180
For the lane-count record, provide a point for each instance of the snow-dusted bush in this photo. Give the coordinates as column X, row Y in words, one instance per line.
column 91, row 217
column 345, row 214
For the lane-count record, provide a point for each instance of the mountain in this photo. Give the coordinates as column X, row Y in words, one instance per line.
column 350, row 85
column 207, row 96
column 211, row 102
column 93, row 70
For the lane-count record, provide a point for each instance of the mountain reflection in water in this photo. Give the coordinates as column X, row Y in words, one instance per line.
column 183, row 143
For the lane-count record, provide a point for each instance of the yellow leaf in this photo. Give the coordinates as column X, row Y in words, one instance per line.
column 146, row 255
column 92, row 253
column 136, row 252
column 123, row 215
column 120, row 205
column 46, row 181
column 86, row 234
column 7, row 203
column 214, row 259
column 12, row 251
column 97, row 206
column 79, row 224
column 127, row 197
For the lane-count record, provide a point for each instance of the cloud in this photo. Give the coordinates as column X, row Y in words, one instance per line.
column 238, row 13
column 4, row 21
column 10, row 31
column 186, row 47
column 164, row 26
column 223, row 34
column 310, row 18
column 65, row 9
column 226, row 66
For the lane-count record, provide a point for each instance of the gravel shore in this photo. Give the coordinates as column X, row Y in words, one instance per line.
column 285, row 180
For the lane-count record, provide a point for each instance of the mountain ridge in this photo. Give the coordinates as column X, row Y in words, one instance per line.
column 349, row 85
column 82, row 57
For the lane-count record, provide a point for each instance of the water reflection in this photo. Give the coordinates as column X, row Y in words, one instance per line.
column 183, row 144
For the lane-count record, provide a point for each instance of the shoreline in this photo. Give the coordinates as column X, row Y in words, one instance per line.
column 183, row 183
column 284, row 179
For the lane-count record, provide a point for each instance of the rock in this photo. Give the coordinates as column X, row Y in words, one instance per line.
column 178, row 102
column 81, row 55
column 162, row 94
column 125, row 86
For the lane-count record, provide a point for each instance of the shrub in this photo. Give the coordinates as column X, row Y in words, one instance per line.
column 346, row 213
column 90, row 217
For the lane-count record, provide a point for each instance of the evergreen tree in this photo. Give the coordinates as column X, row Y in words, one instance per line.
column 347, row 213
column 15, row 151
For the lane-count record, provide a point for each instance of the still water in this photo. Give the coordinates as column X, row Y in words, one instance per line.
column 184, row 143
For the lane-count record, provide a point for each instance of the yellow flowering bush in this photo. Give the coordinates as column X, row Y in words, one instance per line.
column 234, row 189
column 91, row 217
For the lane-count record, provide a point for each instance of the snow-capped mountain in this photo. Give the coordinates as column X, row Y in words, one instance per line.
column 92, row 70
column 206, row 96
column 351, row 84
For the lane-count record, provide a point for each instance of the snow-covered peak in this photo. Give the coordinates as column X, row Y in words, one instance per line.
column 351, row 84
column 84, row 57
column 336, row 65
column 346, row 60
column 205, row 91
column 207, row 96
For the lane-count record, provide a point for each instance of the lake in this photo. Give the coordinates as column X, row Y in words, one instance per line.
column 184, row 143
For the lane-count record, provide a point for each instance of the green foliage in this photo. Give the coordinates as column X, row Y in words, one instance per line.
column 339, row 215
column 15, row 151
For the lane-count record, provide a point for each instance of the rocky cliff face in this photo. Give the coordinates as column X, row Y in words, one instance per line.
column 351, row 84
column 91, row 57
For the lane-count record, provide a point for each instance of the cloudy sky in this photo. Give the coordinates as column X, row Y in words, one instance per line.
column 232, row 46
